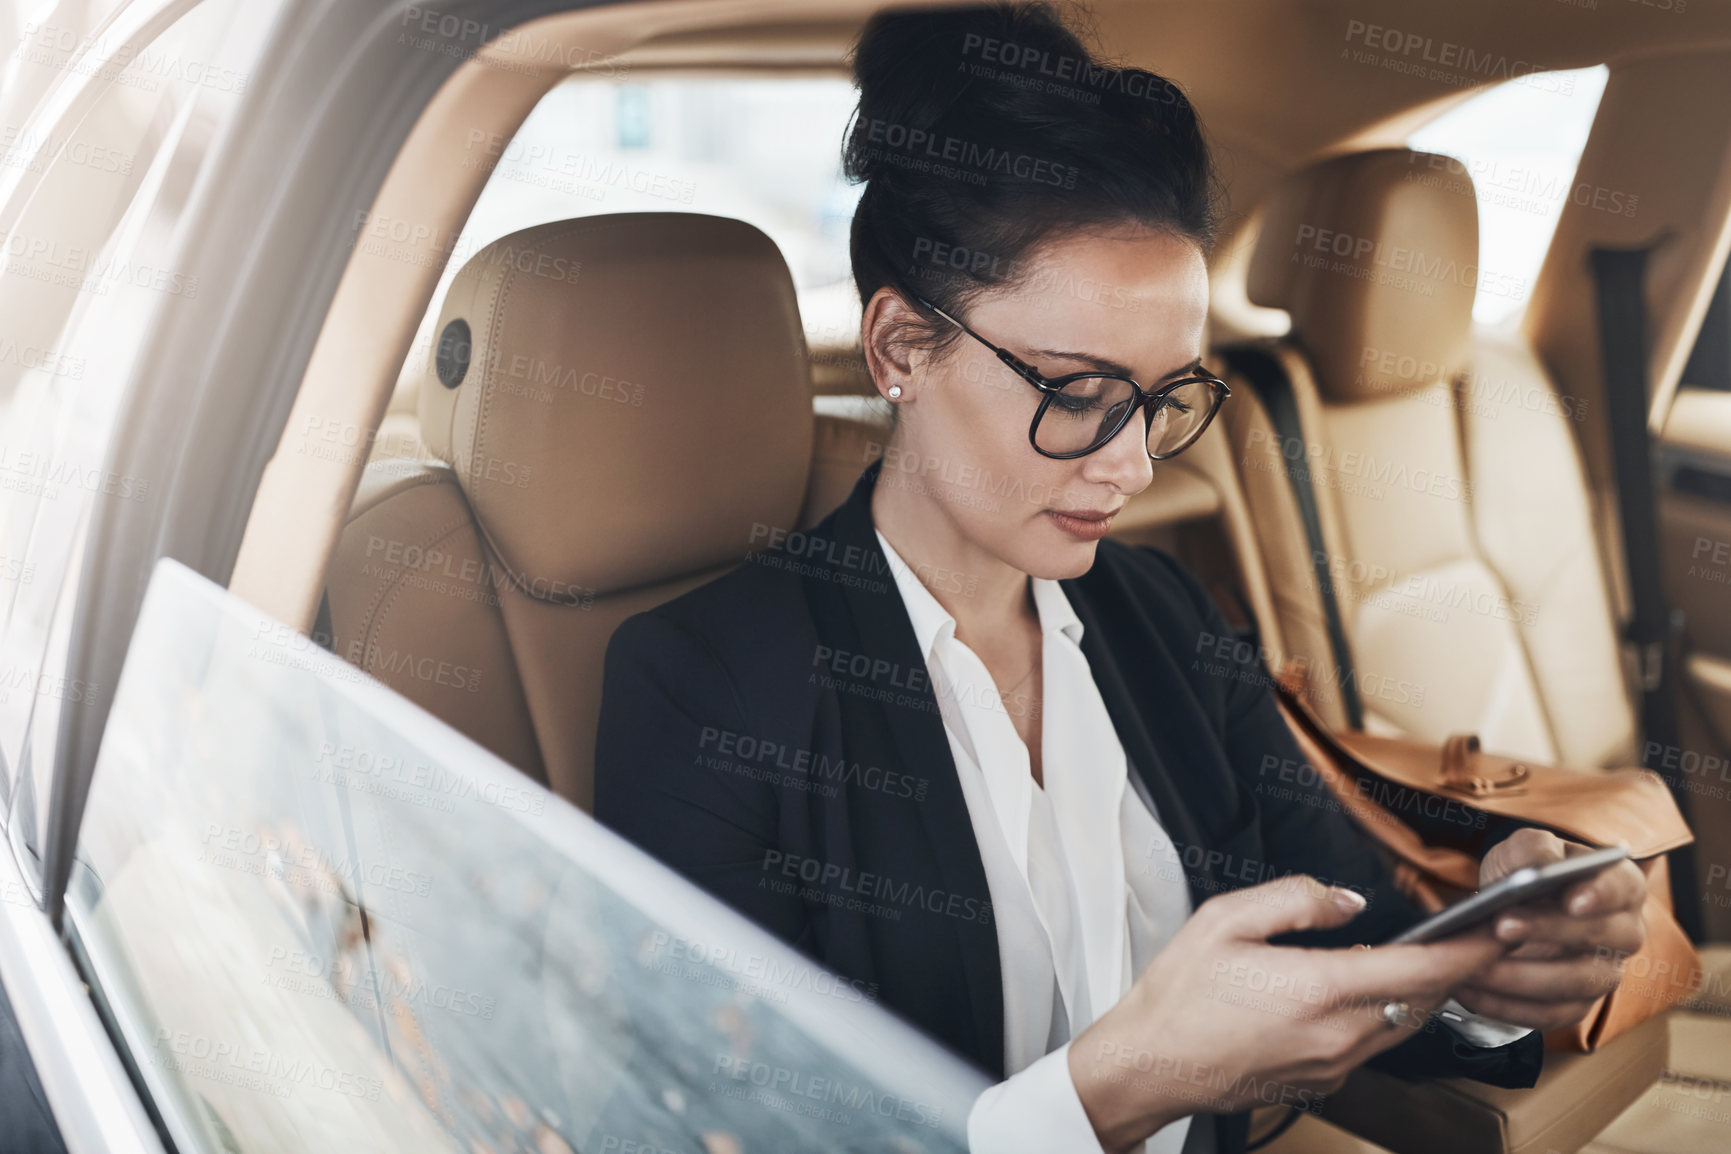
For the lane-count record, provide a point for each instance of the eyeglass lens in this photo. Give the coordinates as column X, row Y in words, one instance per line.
column 1088, row 410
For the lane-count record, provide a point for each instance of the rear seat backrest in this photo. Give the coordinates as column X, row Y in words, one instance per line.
column 1455, row 510
column 620, row 413
column 414, row 602
column 849, row 433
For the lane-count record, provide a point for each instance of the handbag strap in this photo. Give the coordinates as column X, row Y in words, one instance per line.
column 1458, row 754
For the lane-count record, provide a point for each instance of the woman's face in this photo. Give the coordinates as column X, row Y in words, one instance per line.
column 1129, row 302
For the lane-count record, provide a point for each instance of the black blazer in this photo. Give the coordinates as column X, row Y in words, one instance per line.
column 773, row 735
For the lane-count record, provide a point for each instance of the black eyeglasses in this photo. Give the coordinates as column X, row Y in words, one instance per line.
column 1080, row 412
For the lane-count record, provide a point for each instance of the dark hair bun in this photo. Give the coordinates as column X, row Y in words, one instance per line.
column 982, row 131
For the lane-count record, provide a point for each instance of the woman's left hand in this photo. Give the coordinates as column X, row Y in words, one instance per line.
column 1572, row 949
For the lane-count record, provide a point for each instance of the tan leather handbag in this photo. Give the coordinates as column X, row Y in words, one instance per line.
column 1378, row 779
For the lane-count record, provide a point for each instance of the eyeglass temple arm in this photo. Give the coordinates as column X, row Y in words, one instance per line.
column 1027, row 371
column 1017, row 364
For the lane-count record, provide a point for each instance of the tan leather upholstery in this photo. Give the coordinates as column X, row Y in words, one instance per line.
column 631, row 413
column 849, row 434
column 1447, row 474
column 1296, row 618
column 1375, row 256
column 1535, row 529
column 644, row 390
column 414, row 600
column 399, row 435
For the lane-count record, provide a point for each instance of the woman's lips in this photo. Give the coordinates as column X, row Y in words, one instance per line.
column 1083, row 524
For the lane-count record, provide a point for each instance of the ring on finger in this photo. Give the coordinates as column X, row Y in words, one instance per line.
column 1396, row 1012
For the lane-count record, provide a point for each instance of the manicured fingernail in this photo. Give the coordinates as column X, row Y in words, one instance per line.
column 1581, row 903
column 1509, row 929
column 1348, row 900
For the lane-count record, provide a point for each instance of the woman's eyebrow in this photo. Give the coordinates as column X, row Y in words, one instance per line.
column 1107, row 366
column 1190, row 369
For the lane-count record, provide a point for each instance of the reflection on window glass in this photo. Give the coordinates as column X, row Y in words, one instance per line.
column 323, row 922
column 36, row 33
column 87, row 268
column 767, row 152
column 1520, row 143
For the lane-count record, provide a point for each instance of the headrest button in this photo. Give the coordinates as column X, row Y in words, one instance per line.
column 452, row 359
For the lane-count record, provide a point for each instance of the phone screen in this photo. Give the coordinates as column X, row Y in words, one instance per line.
column 1530, row 883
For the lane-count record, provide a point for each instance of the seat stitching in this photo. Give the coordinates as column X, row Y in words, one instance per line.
column 1462, row 433
column 484, row 404
column 378, row 609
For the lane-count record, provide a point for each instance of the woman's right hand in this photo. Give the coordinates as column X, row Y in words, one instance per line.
column 1222, row 1021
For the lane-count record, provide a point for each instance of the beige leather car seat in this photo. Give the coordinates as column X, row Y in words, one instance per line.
column 1453, row 504
column 849, row 433
column 619, row 411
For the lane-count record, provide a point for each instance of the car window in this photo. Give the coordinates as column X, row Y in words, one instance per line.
column 1709, row 364
column 323, row 920
column 91, row 200
column 765, row 151
column 1520, row 142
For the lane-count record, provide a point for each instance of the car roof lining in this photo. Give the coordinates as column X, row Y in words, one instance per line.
column 1299, row 46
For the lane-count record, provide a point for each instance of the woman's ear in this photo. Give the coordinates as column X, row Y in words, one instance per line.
column 886, row 327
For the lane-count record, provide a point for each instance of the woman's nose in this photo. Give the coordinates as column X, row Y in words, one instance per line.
column 1123, row 462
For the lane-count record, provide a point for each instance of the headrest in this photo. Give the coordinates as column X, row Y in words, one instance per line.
column 1376, row 257
column 624, row 398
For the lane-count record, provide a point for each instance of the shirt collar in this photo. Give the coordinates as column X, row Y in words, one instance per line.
column 932, row 622
column 1055, row 610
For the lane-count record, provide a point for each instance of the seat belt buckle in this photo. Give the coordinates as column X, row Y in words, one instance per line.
column 1650, row 665
column 1650, row 654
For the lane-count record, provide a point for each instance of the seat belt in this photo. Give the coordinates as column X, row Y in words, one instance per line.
column 1619, row 277
column 1267, row 377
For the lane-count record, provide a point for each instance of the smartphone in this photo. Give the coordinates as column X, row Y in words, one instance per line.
column 1526, row 884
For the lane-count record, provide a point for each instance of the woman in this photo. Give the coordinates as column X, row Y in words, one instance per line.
column 973, row 753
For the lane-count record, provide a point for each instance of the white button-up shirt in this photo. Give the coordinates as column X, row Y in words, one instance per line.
column 1091, row 830
column 1088, row 831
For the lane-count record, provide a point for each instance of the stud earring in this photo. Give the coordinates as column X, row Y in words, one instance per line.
column 895, row 391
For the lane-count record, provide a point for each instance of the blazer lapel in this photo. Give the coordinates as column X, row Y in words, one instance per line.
column 880, row 620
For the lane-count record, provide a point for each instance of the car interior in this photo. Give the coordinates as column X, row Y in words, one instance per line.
column 512, row 436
